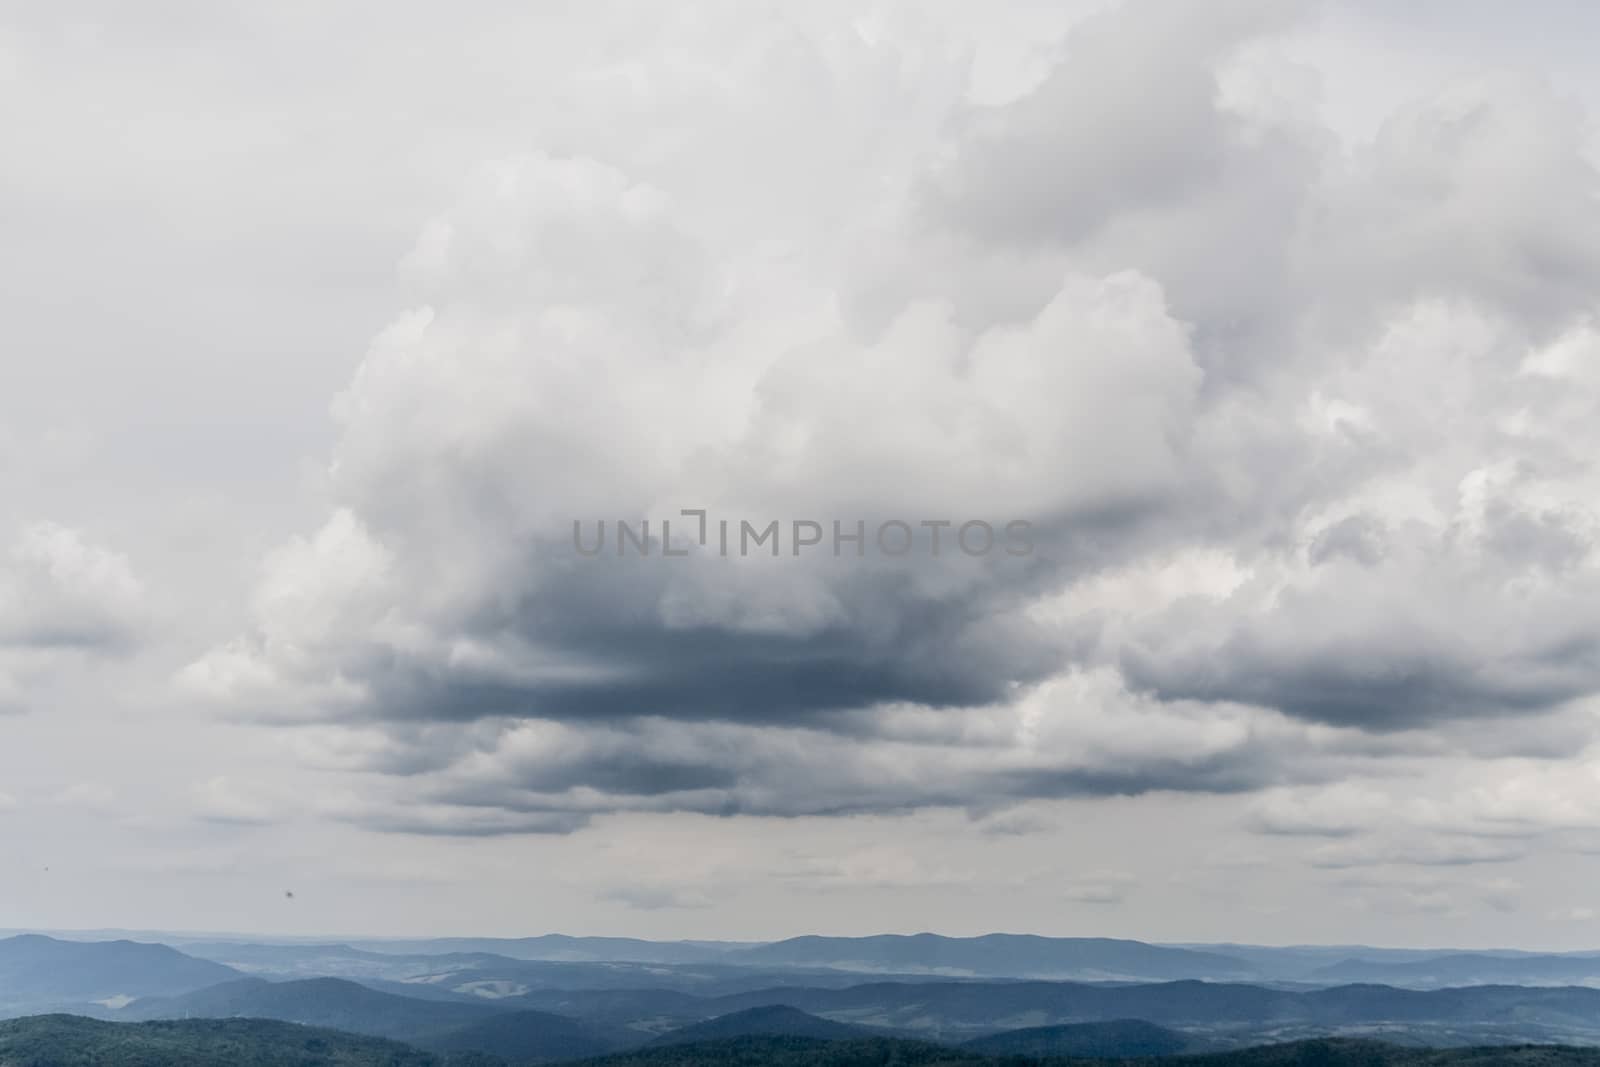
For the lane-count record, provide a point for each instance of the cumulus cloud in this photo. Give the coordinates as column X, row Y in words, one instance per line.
column 58, row 591
column 1302, row 430
column 515, row 621
column 1341, row 810
column 1456, row 579
column 62, row 598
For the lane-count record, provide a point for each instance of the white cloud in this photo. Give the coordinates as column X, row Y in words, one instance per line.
column 63, row 600
column 1339, row 810
column 1260, row 493
column 59, row 591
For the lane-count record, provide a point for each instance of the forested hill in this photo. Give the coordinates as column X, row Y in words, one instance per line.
column 72, row 1041
column 888, row 1052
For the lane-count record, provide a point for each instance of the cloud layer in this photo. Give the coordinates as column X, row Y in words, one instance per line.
column 1302, row 428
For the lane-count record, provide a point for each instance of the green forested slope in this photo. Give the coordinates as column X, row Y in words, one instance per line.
column 73, row 1041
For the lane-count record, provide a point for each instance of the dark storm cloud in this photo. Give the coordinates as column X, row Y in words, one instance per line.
column 911, row 760
column 1376, row 687
column 1386, row 635
column 413, row 818
column 888, row 635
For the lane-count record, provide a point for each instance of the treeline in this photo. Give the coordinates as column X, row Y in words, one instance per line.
column 72, row 1041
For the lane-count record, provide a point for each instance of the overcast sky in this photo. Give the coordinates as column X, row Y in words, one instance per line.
column 1276, row 322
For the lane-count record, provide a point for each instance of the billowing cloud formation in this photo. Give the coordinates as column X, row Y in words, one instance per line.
column 59, row 591
column 1302, row 432
column 1457, row 577
column 60, row 597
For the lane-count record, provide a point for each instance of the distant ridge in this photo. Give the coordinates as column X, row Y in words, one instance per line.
column 1467, row 968
column 960, row 1010
column 998, row 955
column 561, row 948
column 951, row 1011
column 328, row 1002
column 39, row 973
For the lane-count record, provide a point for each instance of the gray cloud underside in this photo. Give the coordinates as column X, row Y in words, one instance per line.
column 1304, row 427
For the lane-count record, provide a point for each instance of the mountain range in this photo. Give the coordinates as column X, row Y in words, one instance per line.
column 465, row 1000
column 560, row 961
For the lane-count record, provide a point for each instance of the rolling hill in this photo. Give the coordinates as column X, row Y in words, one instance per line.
column 777, row 1020
column 40, row 973
column 478, row 974
column 1116, row 1039
column 992, row 1004
column 889, row 1052
column 529, row 1037
column 328, row 1002
column 72, row 1041
column 950, row 1011
column 1349, row 1053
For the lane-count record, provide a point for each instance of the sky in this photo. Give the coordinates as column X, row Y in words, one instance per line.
column 1259, row 336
